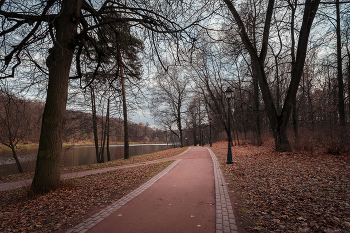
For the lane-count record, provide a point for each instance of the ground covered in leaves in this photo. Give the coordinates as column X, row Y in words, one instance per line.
column 133, row 159
column 290, row 192
column 72, row 202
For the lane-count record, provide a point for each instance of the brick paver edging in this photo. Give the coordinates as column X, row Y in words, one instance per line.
column 225, row 219
column 98, row 217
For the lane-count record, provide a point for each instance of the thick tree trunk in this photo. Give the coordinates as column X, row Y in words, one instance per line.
column 281, row 139
column 47, row 170
column 94, row 124
column 179, row 125
column 349, row 81
column 295, row 124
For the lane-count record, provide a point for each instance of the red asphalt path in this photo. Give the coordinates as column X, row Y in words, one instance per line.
column 188, row 196
column 181, row 201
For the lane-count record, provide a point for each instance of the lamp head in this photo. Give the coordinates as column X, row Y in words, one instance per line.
column 229, row 93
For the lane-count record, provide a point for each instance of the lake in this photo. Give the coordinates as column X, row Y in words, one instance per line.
column 72, row 156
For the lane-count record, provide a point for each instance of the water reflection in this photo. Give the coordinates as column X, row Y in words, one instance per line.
column 73, row 156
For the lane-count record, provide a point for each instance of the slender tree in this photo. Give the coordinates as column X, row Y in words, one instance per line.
column 14, row 123
column 341, row 106
column 169, row 98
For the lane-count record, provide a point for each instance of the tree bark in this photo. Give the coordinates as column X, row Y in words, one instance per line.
column 47, row 170
column 125, row 113
column 341, row 106
column 19, row 166
column 349, row 82
column 94, row 123
column 107, row 131
column 179, row 125
column 294, row 111
column 256, row 107
column 103, row 141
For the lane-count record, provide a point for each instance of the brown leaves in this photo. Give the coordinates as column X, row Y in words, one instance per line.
column 71, row 203
column 291, row 192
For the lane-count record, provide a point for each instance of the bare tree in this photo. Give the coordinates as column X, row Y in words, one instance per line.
column 278, row 122
column 14, row 122
column 169, row 100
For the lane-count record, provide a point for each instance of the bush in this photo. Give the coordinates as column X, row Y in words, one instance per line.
column 146, row 139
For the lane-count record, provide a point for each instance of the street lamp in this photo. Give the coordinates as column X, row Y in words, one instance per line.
column 210, row 131
column 229, row 94
column 202, row 138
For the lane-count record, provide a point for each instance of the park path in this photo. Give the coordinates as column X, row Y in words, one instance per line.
column 188, row 196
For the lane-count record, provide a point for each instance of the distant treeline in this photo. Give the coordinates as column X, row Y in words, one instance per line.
column 21, row 119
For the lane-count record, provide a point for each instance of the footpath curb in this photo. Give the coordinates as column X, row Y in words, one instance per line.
column 225, row 219
column 98, row 217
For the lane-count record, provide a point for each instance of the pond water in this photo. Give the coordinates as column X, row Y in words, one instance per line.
column 72, row 156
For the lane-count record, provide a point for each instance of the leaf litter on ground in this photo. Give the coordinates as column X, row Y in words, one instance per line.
column 72, row 202
column 290, row 192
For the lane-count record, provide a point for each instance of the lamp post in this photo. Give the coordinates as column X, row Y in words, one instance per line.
column 229, row 94
column 202, row 138
column 210, row 132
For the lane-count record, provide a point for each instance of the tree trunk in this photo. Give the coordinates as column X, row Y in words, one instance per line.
column 94, row 123
column 281, row 139
column 256, row 110
column 293, row 6
column 295, row 124
column 125, row 113
column 47, row 170
column 103, row 141
column 179, row 125
column 242, row 110
column 19, row 166
column 107, row 132
column 349, row 81
column 166, row 137
column 341, row 106
column 194, row 137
